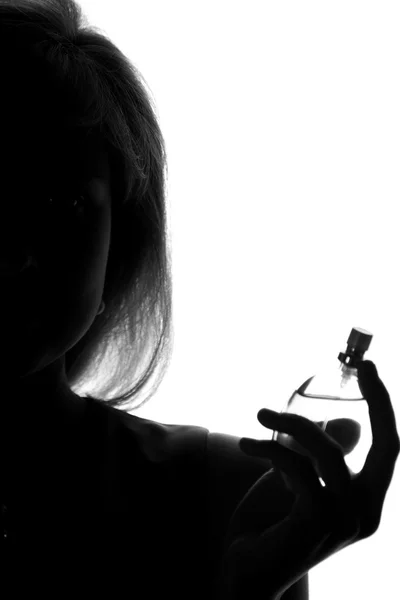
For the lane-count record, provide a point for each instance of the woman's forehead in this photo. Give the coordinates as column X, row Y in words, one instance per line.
column 42, row 134
column 57, row 157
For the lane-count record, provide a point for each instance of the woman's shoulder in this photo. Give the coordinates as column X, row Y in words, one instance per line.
column 226, row 465
column 156, row 441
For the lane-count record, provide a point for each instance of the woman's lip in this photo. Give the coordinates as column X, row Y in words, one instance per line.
column 21, row 290
column 28, row 275
column 14, row 271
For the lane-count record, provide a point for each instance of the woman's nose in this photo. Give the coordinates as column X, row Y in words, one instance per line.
column 16, row 265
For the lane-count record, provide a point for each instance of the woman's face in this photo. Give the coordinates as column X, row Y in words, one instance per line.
column 60, row 216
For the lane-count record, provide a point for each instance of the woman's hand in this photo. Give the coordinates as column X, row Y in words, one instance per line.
column 264, row 557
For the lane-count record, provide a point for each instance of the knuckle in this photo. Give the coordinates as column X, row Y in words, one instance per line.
column 396, row 446
column 392, row 448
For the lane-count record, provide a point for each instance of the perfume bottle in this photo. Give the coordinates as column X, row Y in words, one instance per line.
column 333, row 400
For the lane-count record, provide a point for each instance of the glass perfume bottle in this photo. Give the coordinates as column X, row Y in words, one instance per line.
column 333, row 400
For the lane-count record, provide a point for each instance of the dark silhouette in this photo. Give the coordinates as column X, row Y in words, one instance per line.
column 96, row 501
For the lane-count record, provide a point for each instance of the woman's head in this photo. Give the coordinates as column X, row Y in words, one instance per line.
column 83, row 179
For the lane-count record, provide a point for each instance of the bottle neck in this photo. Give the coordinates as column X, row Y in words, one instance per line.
column 351, row 357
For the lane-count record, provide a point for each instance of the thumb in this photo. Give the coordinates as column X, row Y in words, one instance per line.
column 346, row 432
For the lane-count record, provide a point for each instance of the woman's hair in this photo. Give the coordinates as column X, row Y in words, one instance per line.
column 99, row 95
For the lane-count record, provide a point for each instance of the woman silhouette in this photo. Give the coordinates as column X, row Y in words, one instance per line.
column 94, row 499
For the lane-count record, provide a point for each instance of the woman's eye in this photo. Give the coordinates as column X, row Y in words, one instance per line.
column 73, row 204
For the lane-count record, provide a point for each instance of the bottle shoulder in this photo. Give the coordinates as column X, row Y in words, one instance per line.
column 332, row 384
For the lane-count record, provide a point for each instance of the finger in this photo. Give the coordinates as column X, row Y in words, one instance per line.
column 315, row 528
column 346, row 432
column 383, row 423
column 380, row 463
column 324, row 450
column 303, row 477
column 315, row 510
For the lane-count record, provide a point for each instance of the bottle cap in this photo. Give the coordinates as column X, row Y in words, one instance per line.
column 360, row 340
column 357, row 344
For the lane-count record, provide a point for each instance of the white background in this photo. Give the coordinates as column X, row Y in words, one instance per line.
column 283, row 135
